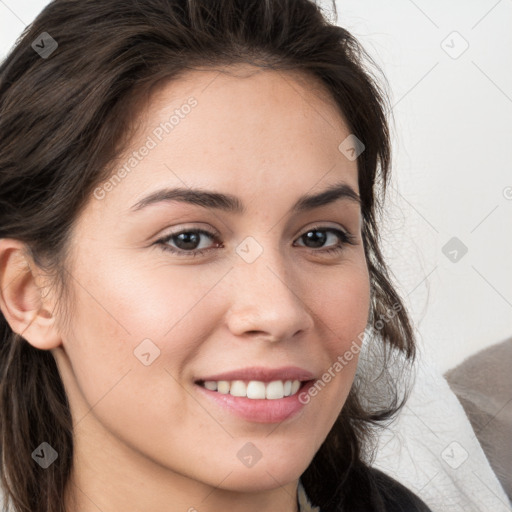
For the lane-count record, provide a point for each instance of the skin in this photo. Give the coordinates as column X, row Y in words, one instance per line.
column 145, row 439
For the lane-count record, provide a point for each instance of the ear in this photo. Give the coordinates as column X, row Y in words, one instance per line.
column 23, row 300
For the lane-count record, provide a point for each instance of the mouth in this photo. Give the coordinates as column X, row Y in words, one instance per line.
column 258, row 394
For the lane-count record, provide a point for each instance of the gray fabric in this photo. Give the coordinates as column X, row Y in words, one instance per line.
column 483, row 385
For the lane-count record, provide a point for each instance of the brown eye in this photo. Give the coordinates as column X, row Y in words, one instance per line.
column 316, row 237
column 186, row 242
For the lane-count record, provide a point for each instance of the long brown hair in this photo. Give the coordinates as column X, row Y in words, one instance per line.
column 64, row 118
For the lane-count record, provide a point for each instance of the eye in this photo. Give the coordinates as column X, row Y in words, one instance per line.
column 319, row 235
column 188, row 242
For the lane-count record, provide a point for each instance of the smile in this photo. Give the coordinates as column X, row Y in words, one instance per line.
column 254, row 389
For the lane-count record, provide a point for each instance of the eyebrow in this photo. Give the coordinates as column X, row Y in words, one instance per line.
column 232, row 204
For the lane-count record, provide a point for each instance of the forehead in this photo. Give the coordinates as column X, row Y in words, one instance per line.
column 243, row 97
column 242, row 128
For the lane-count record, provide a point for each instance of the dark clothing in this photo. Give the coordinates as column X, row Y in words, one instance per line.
column 371, row 490
column 396, row 497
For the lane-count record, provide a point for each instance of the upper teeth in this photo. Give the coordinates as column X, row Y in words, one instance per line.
column 255, row 388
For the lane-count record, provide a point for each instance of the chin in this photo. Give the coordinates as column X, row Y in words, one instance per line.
column 265, row 475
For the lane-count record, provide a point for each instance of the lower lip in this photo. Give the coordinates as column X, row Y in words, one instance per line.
column 259, row 410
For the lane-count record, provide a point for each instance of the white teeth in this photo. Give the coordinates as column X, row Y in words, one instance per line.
column 275, row 389
column 255, row 389
column 238, row 388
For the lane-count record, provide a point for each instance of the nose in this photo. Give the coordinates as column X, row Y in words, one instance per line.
column 267, row 300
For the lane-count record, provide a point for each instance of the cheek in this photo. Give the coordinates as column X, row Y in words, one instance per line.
column 125, row 310
column 104, row 329
column 343, row 302
column 117, row 314
column 342, row 309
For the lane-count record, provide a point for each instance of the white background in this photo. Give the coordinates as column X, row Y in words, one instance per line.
column 452, row 172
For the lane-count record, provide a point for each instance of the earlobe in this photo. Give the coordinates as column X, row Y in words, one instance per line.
column 22, row 301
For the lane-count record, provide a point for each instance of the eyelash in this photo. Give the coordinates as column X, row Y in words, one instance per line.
column 345, row 237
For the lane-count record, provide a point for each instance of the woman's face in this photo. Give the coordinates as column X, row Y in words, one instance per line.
column 263, row 302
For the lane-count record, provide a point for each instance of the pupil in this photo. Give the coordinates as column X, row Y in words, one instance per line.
column 313, row 236
column 186, row 237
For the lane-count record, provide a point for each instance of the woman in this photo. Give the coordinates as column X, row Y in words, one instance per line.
column 190, row 264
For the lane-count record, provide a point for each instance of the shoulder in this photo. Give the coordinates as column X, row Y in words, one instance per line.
column 395, row 497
